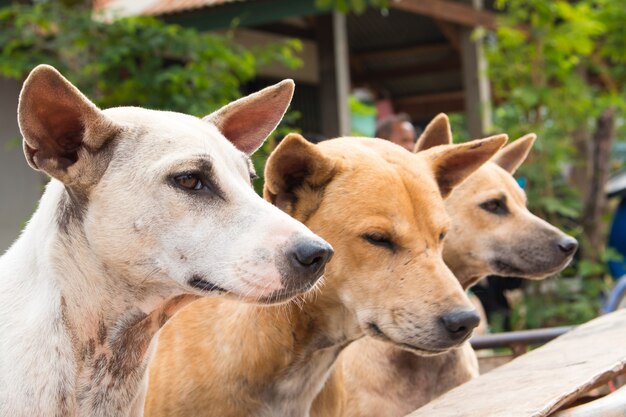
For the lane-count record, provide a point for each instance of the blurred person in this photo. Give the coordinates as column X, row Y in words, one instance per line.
column 399, row 130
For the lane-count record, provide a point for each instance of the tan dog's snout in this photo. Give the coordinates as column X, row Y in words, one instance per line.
column 544, row 251
column 436, row 317
column 442, row 332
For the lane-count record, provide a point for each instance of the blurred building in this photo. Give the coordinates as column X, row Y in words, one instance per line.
column 419, row 56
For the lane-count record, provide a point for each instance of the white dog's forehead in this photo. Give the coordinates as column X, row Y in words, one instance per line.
column 166, row 134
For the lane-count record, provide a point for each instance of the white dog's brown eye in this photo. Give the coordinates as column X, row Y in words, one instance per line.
column 189, row 182
column 253, row 176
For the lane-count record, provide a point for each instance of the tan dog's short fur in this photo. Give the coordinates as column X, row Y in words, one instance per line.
column 381, row 208
column 147, row 210
column 492, row 233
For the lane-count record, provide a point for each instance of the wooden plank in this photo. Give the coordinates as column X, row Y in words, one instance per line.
column 451, row 32
column 611, row 405
column 428, row 98
column 427, row 48
column 540, row 382
column 452, row 63
column 426, row 106
column 288, row 30
column 243, row 14
column 450, row 11
column 425, row 113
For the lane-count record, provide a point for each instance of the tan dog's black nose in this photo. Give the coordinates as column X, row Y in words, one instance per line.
column 460, row 323
column 568, row 245
column 311, row 255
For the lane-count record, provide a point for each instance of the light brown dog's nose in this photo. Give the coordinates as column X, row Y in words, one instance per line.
column 306, row 261
column 311, row 255
column 568, row 245
column 460, row 323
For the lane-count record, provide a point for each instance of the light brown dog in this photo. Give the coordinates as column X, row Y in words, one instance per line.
column 381, row 208
column 492, row 233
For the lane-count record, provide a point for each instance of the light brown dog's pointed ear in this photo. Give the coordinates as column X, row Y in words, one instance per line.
column 294, row 165
column 452, row 164
column 247, row 122
column 60, row 125
column 512, row 156
column 437, row 133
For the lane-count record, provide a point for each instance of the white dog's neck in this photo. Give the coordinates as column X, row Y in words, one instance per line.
column 93, row 295
column 107, row 321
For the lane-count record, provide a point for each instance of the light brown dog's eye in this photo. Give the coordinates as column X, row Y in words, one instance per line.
column 495, row 206
column 189, row 182
column 379, row 240
column 442, row 236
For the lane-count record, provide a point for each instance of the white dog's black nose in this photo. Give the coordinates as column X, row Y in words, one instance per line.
column 568, row 245
column 311, row 255
column 460, row 323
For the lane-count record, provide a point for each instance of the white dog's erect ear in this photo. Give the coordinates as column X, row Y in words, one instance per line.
column 294, row 163
column 437, row 133
column 512, row 156
column 452, row 164
column 247, row 122
column 60, row 125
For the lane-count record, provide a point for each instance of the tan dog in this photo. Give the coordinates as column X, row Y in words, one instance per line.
column 147, row 210
column 492, row 233
column 381, row 208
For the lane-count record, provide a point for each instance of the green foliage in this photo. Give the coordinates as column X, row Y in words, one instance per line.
column 558, row 302
column 363, row 117
column 555, row 66
column 132, row 61
column 356, row 6
column 360, row 108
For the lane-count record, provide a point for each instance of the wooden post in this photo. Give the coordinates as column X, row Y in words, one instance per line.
column 595, row 204
column 332, row 42
column 342, row 68
column 475, row 82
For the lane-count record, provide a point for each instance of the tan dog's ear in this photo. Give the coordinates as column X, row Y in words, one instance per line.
column 437, row 133
column 294, row 164
column 512, row 156
column 453, row 163
column 61, row 127
column 247, row 122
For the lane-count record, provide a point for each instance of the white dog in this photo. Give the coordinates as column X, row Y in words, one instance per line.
column 147, row 211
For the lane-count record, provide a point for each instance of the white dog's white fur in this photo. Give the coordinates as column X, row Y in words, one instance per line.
column 121, row 240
